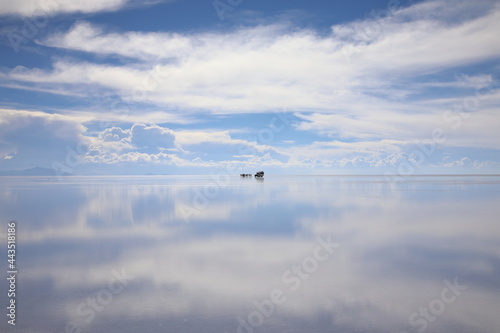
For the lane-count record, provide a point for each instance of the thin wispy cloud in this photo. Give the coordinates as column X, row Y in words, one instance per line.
column 255, row 69
column 37, row 8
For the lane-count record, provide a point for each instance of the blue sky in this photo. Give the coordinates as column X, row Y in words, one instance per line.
column 195, row 87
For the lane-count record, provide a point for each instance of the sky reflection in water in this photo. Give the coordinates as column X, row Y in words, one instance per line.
column 199, row 263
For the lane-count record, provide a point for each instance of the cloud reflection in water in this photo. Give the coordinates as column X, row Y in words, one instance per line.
column 398, row 244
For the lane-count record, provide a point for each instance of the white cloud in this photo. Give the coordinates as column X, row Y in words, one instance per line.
column 131, row 157
column 52, row 7
column 114, row 134
column 369, row 125
column 152, row 136
column 157, row 145
column 462, row 81
column 84, row 36
column 189, row 137
column 274, row 66
column 468, row 162
column 368, row 88
column 34, row 138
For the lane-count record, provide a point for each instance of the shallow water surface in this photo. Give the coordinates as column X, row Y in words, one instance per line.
column 229, row 254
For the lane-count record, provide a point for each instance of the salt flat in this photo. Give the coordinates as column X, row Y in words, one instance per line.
column 231, row 254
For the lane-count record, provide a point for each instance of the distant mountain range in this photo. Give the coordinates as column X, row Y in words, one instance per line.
column 32, row 172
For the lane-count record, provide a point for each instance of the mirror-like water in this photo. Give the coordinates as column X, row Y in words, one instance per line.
column 227, row 254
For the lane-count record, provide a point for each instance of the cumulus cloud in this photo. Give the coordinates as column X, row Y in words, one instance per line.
column 34, row 138
column 114, row 134
column 131, row 157
column 152, row 143
column 152, row 136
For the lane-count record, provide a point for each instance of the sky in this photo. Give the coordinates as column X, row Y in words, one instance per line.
column 235, row 86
